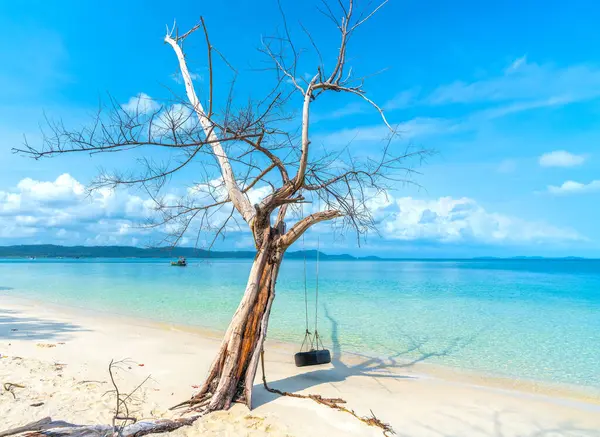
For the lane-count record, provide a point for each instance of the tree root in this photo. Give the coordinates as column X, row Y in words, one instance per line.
column 195, row 403
column 330, row 402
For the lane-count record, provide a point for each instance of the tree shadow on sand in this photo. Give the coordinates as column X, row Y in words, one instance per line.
column 453, row 419
column 389, row 367
column 16, row 326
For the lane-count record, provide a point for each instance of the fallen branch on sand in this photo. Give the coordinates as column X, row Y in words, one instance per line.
column 119, row 427
column 58, row 428
column 330, row 402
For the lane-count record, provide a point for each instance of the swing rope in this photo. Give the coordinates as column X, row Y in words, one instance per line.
column 317, row 338
column 308, row 337
column 305, row 287
column 308, row 340
column 311, row 341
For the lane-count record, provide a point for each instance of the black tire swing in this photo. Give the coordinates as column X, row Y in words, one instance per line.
column 315, row 353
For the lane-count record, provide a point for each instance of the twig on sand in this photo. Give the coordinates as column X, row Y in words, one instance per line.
column 57, row 428
column 330, row 402
column 10, row 387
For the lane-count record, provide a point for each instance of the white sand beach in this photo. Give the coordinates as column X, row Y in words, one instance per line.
column 60, row 356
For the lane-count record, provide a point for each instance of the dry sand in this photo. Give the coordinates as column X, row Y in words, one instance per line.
column 60, row 356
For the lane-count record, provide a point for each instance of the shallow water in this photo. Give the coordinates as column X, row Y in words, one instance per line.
column 530, row 319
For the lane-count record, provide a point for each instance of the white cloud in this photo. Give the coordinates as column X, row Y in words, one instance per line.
column 194, row 76
column 524, row 81
column 256, row 195
column 561, row 158
column 572, row 187
column 516, row 64
column 417, row 127
column 61, row 211
column 451, row 220
column 523, row 86
column 141, row 103
column 245, row 243
column 507, row 166
column 345, row 111
column 401, row 100
column 215, row 190
column 64, row 187
column 177, row 115
column 428, row 126
column 513, row 108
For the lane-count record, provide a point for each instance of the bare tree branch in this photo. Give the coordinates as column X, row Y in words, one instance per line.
column 299, row 228
column 240, row 202
column 231, row 149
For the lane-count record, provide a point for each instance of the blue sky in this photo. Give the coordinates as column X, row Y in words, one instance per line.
column 508, row 93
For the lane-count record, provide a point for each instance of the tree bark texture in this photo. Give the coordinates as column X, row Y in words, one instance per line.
column 231, row 375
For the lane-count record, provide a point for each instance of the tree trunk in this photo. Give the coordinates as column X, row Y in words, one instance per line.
column 231, row 376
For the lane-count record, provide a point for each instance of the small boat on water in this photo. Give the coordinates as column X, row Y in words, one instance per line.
column 181, row 262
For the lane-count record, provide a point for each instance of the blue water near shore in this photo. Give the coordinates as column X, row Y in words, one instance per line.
column 529, row 319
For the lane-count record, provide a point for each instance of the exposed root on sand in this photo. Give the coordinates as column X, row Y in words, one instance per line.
column 335, row 403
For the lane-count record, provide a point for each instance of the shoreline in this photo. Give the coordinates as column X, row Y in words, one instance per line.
column 60, row 354
column 296, row 257
column 446, row 374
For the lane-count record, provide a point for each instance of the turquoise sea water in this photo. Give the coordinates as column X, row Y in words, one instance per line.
column 530, row 319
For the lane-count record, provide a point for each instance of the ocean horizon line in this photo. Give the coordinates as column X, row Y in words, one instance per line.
column 54, row 251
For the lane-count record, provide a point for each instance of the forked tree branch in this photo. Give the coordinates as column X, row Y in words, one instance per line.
column 241, row 202
column 237, row 148
column 335, row 82
column 301, row 226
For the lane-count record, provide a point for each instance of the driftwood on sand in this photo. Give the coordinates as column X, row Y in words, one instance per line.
column 58, row 428
column 120, row 424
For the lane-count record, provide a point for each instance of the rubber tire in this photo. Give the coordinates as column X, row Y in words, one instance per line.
column 312, row 358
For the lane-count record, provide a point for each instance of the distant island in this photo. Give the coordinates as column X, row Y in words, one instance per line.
column 55, row 251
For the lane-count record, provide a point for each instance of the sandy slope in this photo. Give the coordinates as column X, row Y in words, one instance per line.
column 61, row 355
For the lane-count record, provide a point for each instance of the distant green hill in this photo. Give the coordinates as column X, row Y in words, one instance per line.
column 54, row 251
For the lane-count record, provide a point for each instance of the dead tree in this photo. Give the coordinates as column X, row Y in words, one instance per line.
column 237, row 150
